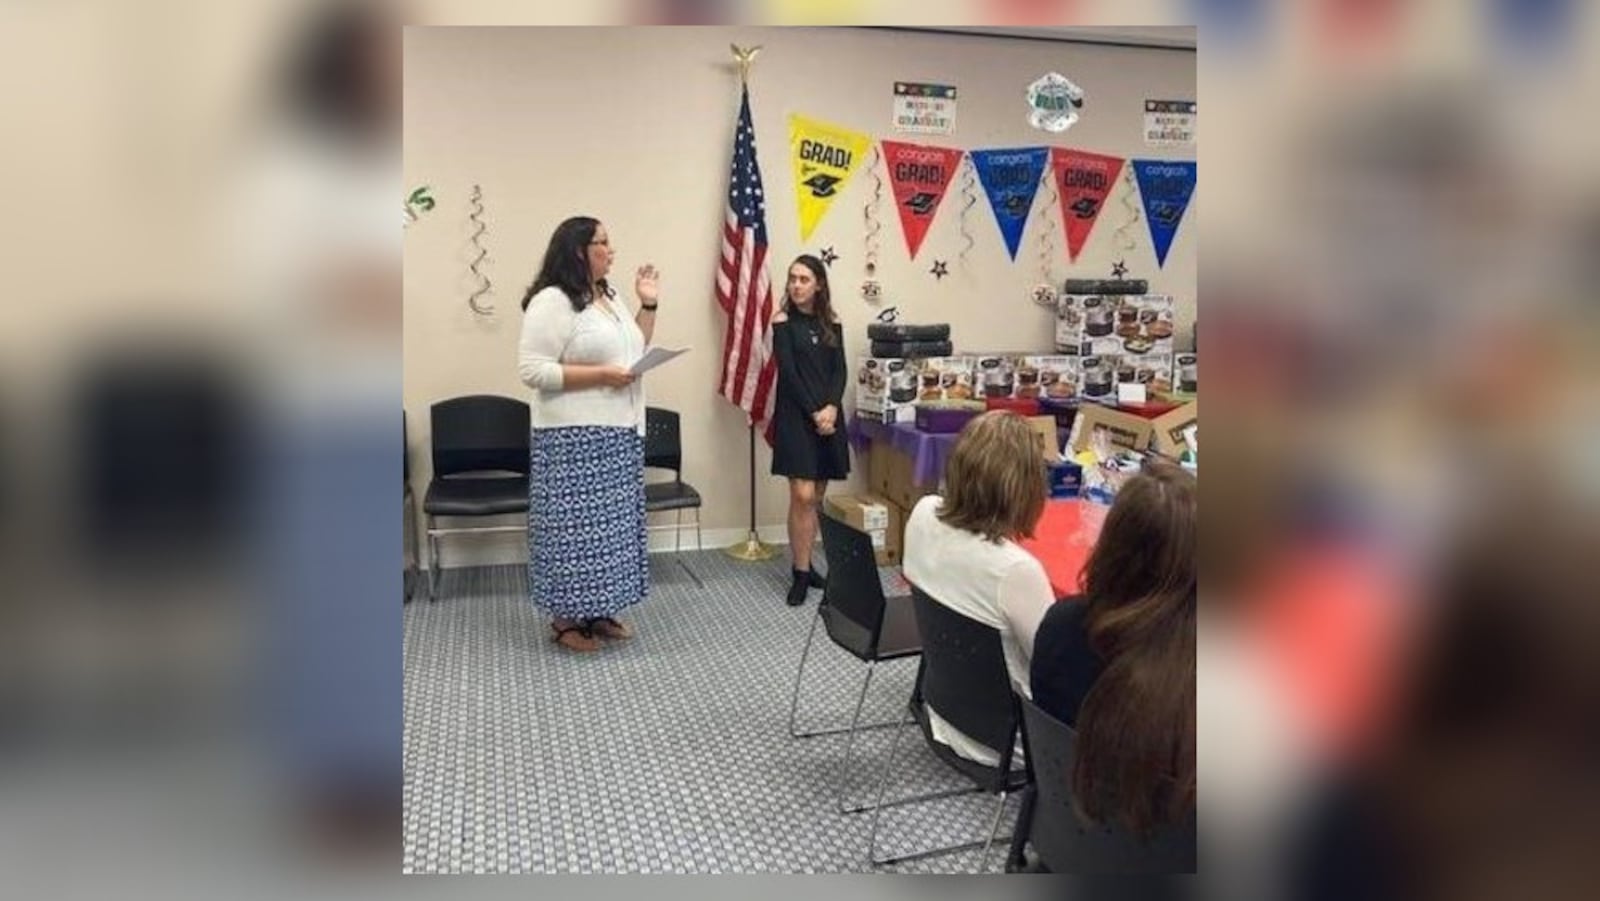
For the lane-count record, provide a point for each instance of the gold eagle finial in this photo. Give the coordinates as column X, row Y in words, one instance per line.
column 746, row 57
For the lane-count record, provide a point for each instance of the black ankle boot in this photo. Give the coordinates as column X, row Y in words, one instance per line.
column 816, row 579
column 798, row 588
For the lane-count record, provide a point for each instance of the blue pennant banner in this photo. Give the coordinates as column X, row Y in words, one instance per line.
column 1011, row 179
column 1166, row 187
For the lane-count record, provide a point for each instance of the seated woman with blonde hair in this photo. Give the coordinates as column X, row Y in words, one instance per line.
column 961, row 548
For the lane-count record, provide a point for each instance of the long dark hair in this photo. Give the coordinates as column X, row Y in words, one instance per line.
column 1136, row 730
column 821, row 302
column 566, row 263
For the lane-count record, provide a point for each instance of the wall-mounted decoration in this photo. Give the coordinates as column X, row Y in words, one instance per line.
column 419, row 199
column 1053, row 103
column 1169, row 123
column 1084, row 180
column 924, row 108
column 1011, row 179
column 479, row 255
column 919, row 175
column 1166, row 187
column 824, row 157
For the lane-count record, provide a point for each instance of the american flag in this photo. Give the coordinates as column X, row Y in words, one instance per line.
column 743, row 289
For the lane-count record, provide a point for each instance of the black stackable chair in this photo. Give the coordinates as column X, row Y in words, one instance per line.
column 962, row 676
column 859, row 619
column 480, row 468
column 663, row 449
column 1065, row 843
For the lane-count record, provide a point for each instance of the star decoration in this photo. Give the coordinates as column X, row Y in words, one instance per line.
column 940, row 270
column 1119, row 269
column 828, row 256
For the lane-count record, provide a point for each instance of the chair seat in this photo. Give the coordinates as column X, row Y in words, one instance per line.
column 898, row 637
column 986, row 777
column 670, row 496
column 476, row 497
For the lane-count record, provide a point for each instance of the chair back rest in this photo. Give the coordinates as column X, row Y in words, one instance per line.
column 480, row 433
column 853, row 600
column 964, row 677
column 663, row 441
column 1066, row 843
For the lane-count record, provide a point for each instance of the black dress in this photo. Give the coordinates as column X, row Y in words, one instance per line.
column 811, row 375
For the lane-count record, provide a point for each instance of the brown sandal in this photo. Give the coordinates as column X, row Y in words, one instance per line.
column 606, row 627
column 577, row 637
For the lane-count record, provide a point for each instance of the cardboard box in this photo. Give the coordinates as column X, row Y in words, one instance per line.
column 874, row 516
column 878, row 468
column 896, row 538
column 1045, row 428
column 945, row 378
column 881, row 383
column 1126, row 430
column 901, row 490
column 1186, row 373
column 1169, row 428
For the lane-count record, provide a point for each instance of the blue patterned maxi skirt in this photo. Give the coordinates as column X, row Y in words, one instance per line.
column 586, row 525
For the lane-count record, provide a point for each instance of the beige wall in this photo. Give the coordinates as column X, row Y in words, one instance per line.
column 634, row 126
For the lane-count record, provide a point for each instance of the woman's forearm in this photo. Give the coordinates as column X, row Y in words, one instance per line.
column 646, row 320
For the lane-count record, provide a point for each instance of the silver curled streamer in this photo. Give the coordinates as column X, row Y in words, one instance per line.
column 484, row 284
column 870, row 213
column 969, row 198
column 1124, row 241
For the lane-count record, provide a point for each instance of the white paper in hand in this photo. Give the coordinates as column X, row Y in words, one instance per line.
column 653, row 357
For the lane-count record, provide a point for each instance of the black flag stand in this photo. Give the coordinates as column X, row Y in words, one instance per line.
column 752, row 549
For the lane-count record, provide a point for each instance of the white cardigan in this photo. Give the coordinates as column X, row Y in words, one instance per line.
column 552, row 334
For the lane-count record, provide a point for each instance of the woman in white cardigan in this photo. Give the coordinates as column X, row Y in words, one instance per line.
column 961, row 548
column 586, row 522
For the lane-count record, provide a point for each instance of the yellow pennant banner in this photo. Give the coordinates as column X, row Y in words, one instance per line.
column 824, row 157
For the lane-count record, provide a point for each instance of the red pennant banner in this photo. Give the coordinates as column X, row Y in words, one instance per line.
column 919, row 175
column 1083, row 180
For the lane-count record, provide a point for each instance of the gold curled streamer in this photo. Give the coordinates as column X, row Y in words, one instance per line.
column 969, row 198
column 870, row 213
column 484, row 284
column 1123, row 240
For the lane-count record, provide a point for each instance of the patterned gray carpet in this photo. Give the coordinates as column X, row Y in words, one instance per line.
column 666, row 754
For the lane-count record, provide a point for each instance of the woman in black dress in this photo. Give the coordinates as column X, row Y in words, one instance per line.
column 809, row 443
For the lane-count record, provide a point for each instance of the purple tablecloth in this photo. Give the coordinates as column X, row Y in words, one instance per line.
column 928, row 451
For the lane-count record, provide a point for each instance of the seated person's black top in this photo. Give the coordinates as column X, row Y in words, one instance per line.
column 1064, row 667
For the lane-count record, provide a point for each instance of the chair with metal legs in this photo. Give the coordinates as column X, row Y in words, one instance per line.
column 408, row 515
column 480, row 468
column 860, row 620
column 962, row 676
column 663, row 449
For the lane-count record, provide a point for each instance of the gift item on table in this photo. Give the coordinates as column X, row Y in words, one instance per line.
column 885, row 389
column 1058, row 376
column 995, row 375
column 1022, row 406
column 1096, row 376
column 1064, row 479
column 901, row 332
column 1186, row 373
column 947, row 416
column 910, row 350
column 1173, row 428
column 1112, row 286
column 945, row 378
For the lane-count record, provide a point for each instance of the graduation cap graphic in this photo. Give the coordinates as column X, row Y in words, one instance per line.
column 1084, row 207
column 821, row 184
column 921, row 202
column 1014, row 205
column 1165, row 212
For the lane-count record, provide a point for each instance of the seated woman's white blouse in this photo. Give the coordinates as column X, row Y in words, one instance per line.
column 552, row 335
column 999, row 585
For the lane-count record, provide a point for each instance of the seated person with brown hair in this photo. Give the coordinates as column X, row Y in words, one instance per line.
column 960, row 548
column 1118, row 663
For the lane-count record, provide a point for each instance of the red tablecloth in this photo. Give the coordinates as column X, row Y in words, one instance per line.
column 1063, row 539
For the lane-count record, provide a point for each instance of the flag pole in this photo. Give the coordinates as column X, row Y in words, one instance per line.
column 752, row 548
